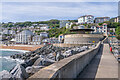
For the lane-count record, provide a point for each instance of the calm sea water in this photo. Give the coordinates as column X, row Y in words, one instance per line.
column 7, row 63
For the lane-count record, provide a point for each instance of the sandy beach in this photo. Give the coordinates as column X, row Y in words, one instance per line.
column 22, row 47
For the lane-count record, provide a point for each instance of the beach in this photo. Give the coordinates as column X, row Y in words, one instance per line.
column 22, row 47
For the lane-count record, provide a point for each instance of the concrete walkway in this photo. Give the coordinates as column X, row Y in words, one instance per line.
column 104, row 65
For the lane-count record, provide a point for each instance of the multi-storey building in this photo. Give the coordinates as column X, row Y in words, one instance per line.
column 50, row 40
column 2, row 37
column 115, row 19
column 61, row 38
column 63, row 23
column 119, row 19
column 44, row 34
column 69, row 25
column 44, row 28
column 36, row 40
column 87, row 19
column 101, row 19
column 24, row 37
column 12, row 32
column 100, row 29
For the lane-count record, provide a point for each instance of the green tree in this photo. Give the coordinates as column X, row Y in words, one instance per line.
column 118, row 32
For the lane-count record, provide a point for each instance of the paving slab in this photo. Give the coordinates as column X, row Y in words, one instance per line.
column 103, row 65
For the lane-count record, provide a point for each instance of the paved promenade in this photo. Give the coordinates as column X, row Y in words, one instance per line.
column 104, row 65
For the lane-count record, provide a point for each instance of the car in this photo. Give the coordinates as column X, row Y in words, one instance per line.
column 118, row 59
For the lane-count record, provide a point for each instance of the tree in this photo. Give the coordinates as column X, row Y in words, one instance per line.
column 73, row 25
column 118, row 32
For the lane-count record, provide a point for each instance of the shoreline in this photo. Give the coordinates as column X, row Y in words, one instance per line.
column 24, row 51
column 22, row 47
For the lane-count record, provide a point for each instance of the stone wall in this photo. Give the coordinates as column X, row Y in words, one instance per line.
column 71, row 45
column 69, row 67
column 82, row 38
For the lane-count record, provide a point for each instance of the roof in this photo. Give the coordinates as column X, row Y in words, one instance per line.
column 74, row 30
column 27, row 32
column 101, row 17
column 86, row 16
column 104, row 23
column 99, row 26
column 13, row 39
column 61, row 34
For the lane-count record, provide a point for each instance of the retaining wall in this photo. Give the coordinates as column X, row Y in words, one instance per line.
column 72, row 45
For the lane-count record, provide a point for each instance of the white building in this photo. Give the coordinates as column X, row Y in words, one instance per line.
column 101, row 19
column 116, row 19
column 61, row 38
column 44, row 34
column 9, row 32
column 43, row 27
column 63, row 23
column 12, row 32
column 36, row 40
column 50, row 40
column 69, row 25
column 87, row 19
column 100, row 29
column 79, row 27
column 24, row 37
column 6, row 31
column 2, row 37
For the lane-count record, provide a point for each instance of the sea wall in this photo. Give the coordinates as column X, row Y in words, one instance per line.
column 71, row 45
column 69, row 67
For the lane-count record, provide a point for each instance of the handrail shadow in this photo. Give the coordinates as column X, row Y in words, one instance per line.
column 89, row 72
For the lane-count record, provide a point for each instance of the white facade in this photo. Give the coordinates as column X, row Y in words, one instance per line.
column 68, row 25
column 100, row 29
column 101, row 19
column 2, row 37
column 116, row 19
column 36, row 40
column 61, row 38
column 12, row 32
column 81, row 27
column 44, row 28
column 63, row 23
column 87, row 19
column 50, row 40
column 44, row 34
column 24, row 37
column 9, row 32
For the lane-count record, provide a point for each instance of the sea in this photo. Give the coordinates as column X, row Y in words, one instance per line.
column 6, row 62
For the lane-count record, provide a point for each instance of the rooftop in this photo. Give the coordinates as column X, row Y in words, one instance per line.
column 79, row 30
column 86, row 16
column 101, row 17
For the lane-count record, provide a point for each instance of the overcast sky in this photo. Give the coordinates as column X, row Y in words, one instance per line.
column 39, row 11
